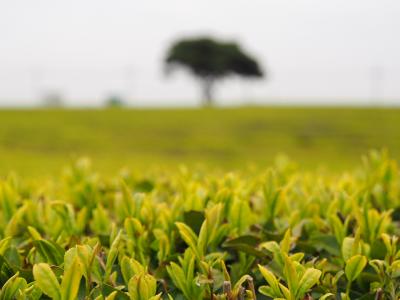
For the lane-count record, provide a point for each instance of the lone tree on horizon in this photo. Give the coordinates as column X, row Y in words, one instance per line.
column 210, row 60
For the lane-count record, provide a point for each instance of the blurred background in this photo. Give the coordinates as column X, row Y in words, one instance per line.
column 92, row 78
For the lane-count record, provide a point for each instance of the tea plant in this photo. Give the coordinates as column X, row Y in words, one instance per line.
column 274, row 234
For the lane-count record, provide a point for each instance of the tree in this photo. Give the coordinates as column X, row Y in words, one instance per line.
column 210, row 60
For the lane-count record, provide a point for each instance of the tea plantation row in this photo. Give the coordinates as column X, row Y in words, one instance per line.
column 277, row 234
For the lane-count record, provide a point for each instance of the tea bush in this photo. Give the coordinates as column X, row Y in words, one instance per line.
column 278, row 234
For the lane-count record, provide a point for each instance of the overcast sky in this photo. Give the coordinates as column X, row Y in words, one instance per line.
column 314, row 51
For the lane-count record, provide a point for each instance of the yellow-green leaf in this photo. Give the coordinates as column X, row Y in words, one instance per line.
column 12, row 286
column 142, row 287
column 130, row 267
column 326, row 296
column 188, row 236
column 354, row 266
column 47, row 281
column 307, row 281
column 271, row 279
column 71, row 280
column 290, row 274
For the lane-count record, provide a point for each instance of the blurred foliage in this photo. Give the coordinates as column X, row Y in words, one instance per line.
column 38, row 142
column 277, row 234
column 114, row 101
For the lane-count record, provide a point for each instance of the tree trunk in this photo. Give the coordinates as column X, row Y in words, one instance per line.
column 208, row 87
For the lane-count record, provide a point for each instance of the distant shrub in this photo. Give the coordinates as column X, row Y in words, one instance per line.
column 114, row 101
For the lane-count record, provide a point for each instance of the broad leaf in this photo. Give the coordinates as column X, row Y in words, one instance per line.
column 47, row 281
column 354, row 266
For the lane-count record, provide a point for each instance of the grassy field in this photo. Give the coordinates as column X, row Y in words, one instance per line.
column 36, row 142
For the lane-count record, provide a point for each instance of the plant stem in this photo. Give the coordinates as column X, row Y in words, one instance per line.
column 348, row 288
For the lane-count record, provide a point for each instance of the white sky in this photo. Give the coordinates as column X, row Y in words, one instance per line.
column 315, row 51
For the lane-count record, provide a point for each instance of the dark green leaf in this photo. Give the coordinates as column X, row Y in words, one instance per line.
column 194, row 219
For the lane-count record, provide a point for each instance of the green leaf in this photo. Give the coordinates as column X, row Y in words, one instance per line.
column 106, row 289
column 267, row 291
column 51, row 252
column 286, row 293
column 308, row 280
column 34, row 233
column 112, row 296
column 194, row 219
column 227, row 277
column 347, row 247
column 127, row 200
column 272, row 281
column 6, row 271
column 395, row 267
column 240, row 215
column 156, row 297
column 12, row 287
column 325, row 242
column 245, row 243
column 354, row 266
column 5, row 244
column 178, row 277
column 8, row 200
column 144, row 186
column 339, row 228
column 285, row 243
column 326, row 296
column 71, row 280
column 240, row 282
column 81, row 219
column 113, row 253
column 130, row 267
column 133, row 227
column 47, row 281
column 291, row 274
column 188, row 236
column 203, row 238
column 86, row 256
column 142, row 287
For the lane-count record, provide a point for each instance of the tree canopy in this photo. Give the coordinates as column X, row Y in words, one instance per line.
column 211, row 60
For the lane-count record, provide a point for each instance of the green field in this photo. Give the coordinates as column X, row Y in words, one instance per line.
column 39, row 141
column 161, row 232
